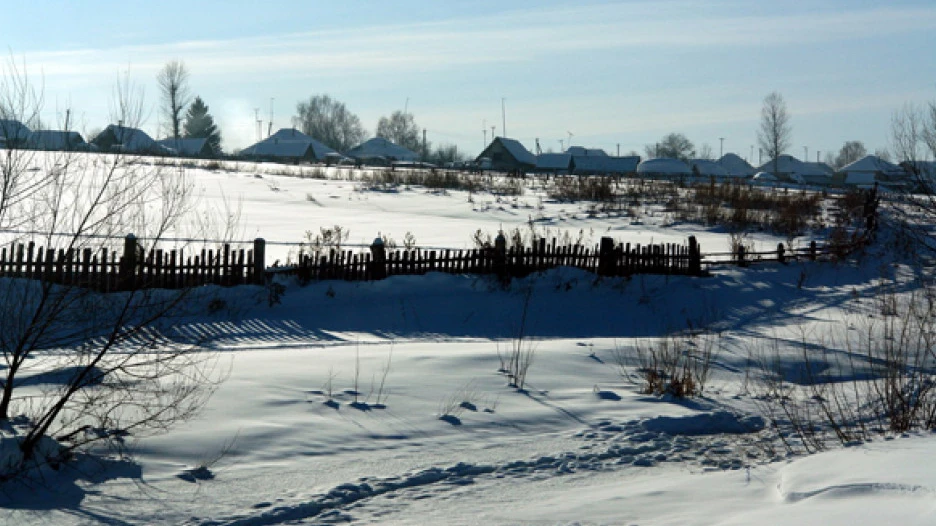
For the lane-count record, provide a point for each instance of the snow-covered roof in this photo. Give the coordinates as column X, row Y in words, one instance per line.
column 736, row 166
column 577, row 151
column 870, row 164
column 130, row 139
column 859, row 178
column 787, row 165
column 13, row 129
column 287, row 149
column 925, row 169
column 663, row 166
column 378, row 147
column 553, row 161
column 287, row 142
column 708, row 168
column 289, row 134
column 183, row 146
column 517, row 150
column 819, row 167
column 603, row 164
column 55, row 140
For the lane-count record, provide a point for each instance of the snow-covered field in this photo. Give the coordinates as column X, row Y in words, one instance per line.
column 382, row 403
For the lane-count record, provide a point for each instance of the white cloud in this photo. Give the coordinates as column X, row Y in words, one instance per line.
column 512, row 37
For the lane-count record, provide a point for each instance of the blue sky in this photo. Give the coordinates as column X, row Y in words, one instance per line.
column 610, row 73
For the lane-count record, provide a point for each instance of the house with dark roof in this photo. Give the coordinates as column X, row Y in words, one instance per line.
column 708, row 168
column 508, row 155
column 735, row 166
column 57, row 140
column 13, row 133
column 664, row 167
column 381, row 151
column 921, row 174
column 789, row 169
column 553, row 163
column 190, row 147
column 603, row 165
column 872, row 169
column 288, row 145
column 581, row 151
column 120, row 138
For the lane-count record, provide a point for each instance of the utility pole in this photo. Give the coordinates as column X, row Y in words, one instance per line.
column 259, row 124
column 483, row 130
column 561, row 146
column 618, row 149
column 503, row 117
column 270, row 125
column 492, row 132
column 424, row 148
column 752, row 154
column 721, row 148
column 817, row 156
column 806, row 153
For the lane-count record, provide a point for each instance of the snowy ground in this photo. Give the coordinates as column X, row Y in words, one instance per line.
column 581, row 445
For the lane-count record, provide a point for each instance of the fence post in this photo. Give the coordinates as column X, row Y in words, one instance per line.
column 695, row 257
column 812, row 250
column 741, row 251
column 378, row 263
column 259, row 255
column 781, row 256
column 870, row 209
column 128, row 263
column 606, row 257
column 500, row 256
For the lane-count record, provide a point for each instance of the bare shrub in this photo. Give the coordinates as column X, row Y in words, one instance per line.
column 579, row 188
column 674, row 366
column 516, row 361
column 117, row 369
column 875, row 375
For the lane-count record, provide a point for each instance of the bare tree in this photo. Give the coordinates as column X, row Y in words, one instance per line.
column 445, row 154
column 705, row 152
column 883, row 154
column 775, row 133
column 913, row 142
column 329, row 121
column 672, row 145
column 107, row 365
column 850, row 152
column 173, row 83
column 401, row 128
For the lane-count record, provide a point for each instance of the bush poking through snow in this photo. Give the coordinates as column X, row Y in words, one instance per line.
column 516, row 362
column 468, row 398
column 203, row 471
column 672, row 366
column 887, row 351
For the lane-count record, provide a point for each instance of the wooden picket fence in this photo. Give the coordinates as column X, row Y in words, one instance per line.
column 814, row 251
column 134, row 268
column 606, row 259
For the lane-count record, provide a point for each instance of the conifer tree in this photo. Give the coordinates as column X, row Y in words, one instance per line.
column 199, row 125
